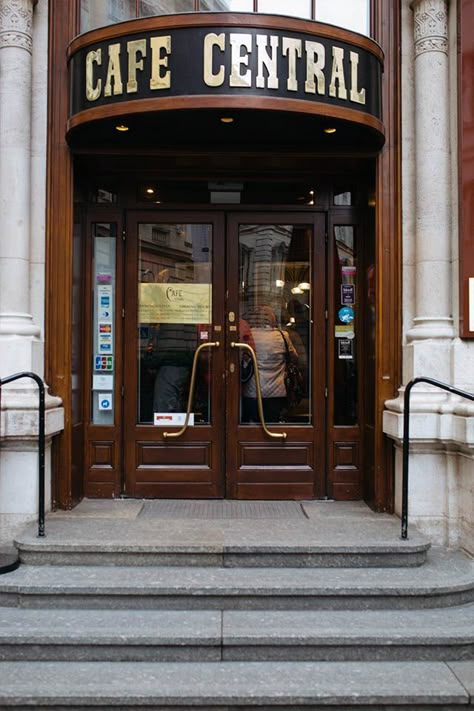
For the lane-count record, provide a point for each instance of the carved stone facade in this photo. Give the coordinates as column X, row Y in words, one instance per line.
column 16, row 24
column 431, row 26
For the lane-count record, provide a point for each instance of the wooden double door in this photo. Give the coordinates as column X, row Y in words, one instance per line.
column 217, row 305
column 195, row 319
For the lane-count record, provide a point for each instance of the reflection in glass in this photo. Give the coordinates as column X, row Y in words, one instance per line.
column 164, row 7
column 105, row 12
column 343, row 197
column 345, row 365
column 174, row 317
column 297, row 8
column 275, row 318
column 226, row 5
column 352, row 15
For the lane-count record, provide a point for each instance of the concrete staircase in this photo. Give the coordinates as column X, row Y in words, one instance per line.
column 120, row 608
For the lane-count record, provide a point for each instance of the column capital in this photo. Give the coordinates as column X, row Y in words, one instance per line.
column 431, row 26
column 16, row 24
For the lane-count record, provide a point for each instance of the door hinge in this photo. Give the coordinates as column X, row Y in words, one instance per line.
column 325, row 392
column 326, row 314
column 122, row 390
column 123, row 313
column 124, row 235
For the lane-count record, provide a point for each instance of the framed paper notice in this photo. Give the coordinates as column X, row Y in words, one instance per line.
column 175, row 303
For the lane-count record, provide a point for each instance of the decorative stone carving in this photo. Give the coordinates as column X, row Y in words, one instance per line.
column 16, row 24
column 431, row 26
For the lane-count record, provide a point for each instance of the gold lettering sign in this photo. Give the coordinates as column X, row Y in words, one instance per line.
column 175, row 303
column 273, row 63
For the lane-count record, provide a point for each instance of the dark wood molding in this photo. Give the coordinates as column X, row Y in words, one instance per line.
column 226, row 102
column 388, row 253
column 59, row 221
column 466, row 170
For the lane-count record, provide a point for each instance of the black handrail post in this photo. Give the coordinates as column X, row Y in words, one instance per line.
column 406, row 454
column 406, row 437
column 41, row 443
column 41, row 455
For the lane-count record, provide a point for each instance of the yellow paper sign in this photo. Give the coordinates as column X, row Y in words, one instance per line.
column 175, row 303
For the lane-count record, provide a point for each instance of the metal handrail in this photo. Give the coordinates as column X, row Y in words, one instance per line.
column 41, row 438
column 406, row 437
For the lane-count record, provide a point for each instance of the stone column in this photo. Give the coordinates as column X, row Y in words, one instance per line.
column 16, row 323
column 428, row 228
column 21, row 343
column 433, row 307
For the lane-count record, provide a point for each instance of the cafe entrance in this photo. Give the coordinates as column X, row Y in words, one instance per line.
column 226, row 352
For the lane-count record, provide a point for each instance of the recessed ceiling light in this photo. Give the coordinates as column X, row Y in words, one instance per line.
column 227, row 119
column 121, row 127
column 305, row 286
column 150, row 191
column 330, row 129
column 297, row 290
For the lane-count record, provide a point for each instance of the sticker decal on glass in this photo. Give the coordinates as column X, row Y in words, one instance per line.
column 346, row 314
column 345, row 349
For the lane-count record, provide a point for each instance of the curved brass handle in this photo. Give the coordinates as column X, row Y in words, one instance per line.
column 246, row 347
column 209, row 344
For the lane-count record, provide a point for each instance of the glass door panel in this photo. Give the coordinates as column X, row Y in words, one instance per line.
column 174, row 317
column 173, row 405
column 275, row 269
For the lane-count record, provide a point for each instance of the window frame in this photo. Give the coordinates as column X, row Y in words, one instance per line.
column 196, row 5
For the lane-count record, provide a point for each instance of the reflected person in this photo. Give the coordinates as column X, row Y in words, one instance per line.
column 271, row 360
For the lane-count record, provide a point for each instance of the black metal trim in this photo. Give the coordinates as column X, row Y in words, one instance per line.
column 406, row 437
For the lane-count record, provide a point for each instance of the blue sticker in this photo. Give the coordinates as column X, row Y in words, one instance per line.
column 346, row 314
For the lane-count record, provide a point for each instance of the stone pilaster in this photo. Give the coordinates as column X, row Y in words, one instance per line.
column 433, row 307
column 438, row 427
column 16, row 323
column 21, row 342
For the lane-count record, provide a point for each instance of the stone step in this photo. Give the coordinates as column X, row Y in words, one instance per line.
column 213, row 636
column 446, row 579
column 9, row 560
column 340, row 686
column 324, row 536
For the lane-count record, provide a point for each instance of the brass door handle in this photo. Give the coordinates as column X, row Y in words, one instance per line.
column 210, row 344
column 246, row 347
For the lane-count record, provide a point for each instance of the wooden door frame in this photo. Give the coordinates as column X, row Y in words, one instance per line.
column 63, row 26
column 102, row 443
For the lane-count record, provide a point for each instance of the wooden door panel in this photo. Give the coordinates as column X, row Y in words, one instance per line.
column 275, row 455
column 269, row 251
column 168, row 455
column 168, row 255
